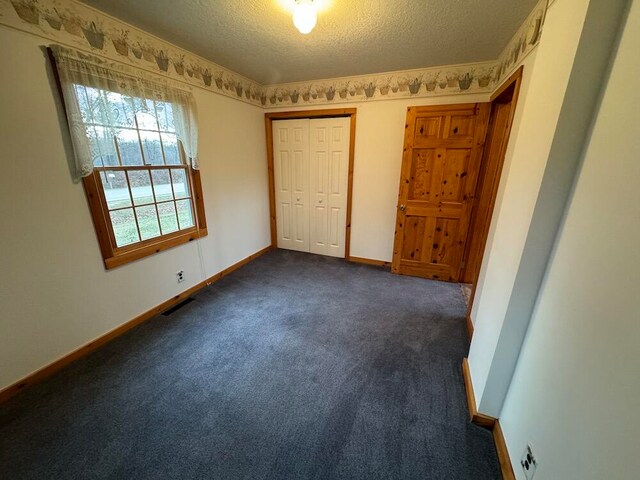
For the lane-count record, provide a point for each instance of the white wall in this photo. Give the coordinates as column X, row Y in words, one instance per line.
column 54, row 291
column 575, row 393
column 528, row 151
column 377, row 162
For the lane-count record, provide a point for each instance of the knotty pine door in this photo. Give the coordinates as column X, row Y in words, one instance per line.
column 311, row 162
column 441, row 161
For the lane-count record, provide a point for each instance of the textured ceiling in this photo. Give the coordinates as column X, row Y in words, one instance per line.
column 257, row 39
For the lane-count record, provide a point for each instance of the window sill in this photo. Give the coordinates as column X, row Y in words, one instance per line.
column 132, row 254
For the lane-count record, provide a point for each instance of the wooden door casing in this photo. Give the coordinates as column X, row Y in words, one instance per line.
column 495, row 145
column 440, row 165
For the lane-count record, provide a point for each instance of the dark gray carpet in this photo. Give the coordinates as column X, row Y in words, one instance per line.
column 295, row 366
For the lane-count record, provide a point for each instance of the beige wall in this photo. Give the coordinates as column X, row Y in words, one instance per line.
column 54, row 292
column 566, row 78
column 376, row 177
column 575, row 392
column 525, row 162
column 58, row 295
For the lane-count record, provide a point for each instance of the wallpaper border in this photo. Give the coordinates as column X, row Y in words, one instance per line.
column 80, row 26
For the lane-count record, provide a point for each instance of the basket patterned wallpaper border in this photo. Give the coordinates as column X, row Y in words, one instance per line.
column 80, row 26
column 521, row 44
column 450, row 80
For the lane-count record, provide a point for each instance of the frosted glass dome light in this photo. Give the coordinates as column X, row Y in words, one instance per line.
column 305, row 16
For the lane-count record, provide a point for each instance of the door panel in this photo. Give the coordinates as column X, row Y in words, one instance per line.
column 441, row 161
column 285, row 225
column 291, row 175
column 319, row 227
column 335, row 238
column 329, row 146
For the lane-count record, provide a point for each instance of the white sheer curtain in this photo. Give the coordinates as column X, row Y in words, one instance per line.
column 108, row 102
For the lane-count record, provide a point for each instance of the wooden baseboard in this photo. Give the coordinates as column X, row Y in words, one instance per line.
column 369, row 261
column 469, row 327
column 476, row 417
column 503, row 453
column 491, row 423
column 93, row 345
column 237, row 265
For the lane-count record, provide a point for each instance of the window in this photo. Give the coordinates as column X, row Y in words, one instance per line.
column 129, row 138
column 142, row 171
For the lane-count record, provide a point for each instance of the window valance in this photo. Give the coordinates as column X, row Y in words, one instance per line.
column 107, row 103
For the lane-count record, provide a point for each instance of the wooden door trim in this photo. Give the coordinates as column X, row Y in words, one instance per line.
column 514, row 80
column 407, row 152
column 300, row 114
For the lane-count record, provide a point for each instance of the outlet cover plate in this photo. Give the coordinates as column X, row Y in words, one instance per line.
column 528, row 462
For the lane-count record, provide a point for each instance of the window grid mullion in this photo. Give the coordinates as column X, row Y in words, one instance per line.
column 144, row 204
column 135, row 212
column 84, row 90
column 193, row 213
column 141, row 167
column 153, row 188
column 129, row 189
column 105, row 103
column 135, row 119
column 190, row 209
column 173, row 193
column 164, row 157
column 190, row 194
column 115, row 140
column 159, row 130
column 86, row 96
column 155, row 206
column 175, row 212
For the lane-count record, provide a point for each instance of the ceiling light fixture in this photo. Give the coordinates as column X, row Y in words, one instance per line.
column 305, row 16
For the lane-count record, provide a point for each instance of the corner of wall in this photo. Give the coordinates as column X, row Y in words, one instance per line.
column 586, row 50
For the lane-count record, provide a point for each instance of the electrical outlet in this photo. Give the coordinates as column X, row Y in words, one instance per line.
column 180, row 276
column 528, row 462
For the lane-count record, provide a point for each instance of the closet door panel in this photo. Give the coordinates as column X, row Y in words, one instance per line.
column 319, row 153
column 338, row 170
column 291, row 175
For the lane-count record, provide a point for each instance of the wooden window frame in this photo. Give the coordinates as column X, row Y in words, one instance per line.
column 115, row 256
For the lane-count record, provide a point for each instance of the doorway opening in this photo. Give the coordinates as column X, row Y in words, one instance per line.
column 310, row 155
column 503, row 106
column 452, row 163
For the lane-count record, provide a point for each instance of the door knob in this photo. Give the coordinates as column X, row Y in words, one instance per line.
column 297, row 199
column 402, row 208
column 320, row 201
